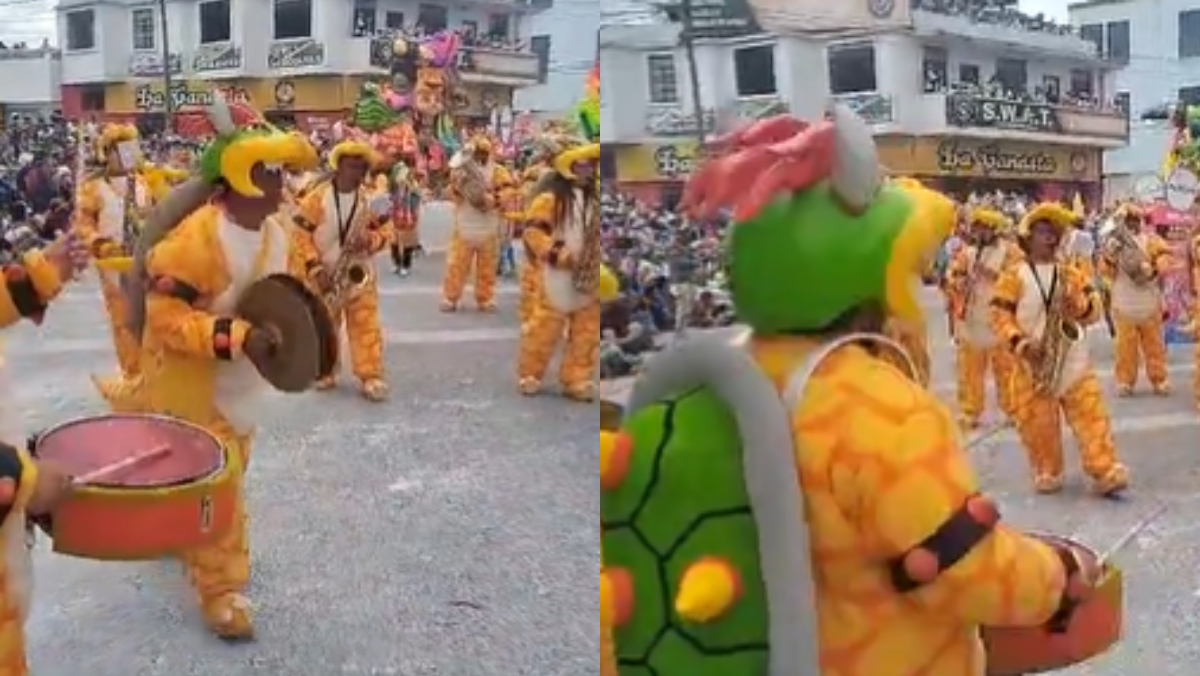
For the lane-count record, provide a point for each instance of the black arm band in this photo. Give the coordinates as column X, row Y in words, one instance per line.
column 223, row 338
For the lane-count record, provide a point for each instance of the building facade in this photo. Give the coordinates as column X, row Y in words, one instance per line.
column 567, row 33
column 301, row 61
column 965, row 104
column 30, row 81
column 1155, row 46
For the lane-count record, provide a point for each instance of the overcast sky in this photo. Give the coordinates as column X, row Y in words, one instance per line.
column 32, row 20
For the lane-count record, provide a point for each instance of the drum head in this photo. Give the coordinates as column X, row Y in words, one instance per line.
column 282, row 305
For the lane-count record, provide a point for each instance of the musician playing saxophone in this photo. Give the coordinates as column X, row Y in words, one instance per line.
column 562, row 234
column 1131, row 260
column 971, row 278
column 477, row 184
column 1039, row 310
column 109, row 204
column 342, row 224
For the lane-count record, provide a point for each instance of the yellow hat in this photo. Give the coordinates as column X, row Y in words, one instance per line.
column 610, row 288
column 352, row 149
column 112, row 134
column 989, row 218
column 1053, row 213
column 479, row 144
column 1128, row 211
column 564, row 160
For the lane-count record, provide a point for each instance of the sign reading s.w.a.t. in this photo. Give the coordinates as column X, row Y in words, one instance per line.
column 970, row 110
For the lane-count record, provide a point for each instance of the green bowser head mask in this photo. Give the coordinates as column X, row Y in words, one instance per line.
column 817, row 232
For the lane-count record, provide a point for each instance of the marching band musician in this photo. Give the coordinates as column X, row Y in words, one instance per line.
column 562, row 234
column 406, row 213
column 342, row 224
column 971, row 277
column 106, row 214
column 224, row 234
column 477, row 184
column 1039, row 310
column 1132, row 260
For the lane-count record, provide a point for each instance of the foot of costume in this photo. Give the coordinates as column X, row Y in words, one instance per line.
column 562, row 235
column 478, row 185
column 1058, row 385
column 339, row 234
column 195, row 367
column 108, row 208
column 712, row 566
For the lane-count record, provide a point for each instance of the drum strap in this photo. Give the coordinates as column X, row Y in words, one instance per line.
column 174, row 288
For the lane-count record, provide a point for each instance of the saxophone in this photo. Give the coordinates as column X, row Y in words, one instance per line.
column 350, row 274
column 585, row 275
column 131, row 226
column 1059, row 335
column 1123, row 249
column 470, row 181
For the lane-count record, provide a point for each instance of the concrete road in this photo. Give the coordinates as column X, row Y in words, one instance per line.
column 451, row 531
column 1159, row 439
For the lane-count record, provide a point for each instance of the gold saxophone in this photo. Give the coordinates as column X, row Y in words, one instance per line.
column 1059, row 335
column 585, row 276
column 1122, row 249
column 351, row 274
column 471, row 183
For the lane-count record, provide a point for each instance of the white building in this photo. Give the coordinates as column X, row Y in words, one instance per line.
column 569, row 28
column 925, row 81
column 1156, row 45
column 30, row 81
column 297, row 57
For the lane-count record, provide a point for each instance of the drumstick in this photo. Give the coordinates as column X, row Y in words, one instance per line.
column 1130, row 534
column 120, row 465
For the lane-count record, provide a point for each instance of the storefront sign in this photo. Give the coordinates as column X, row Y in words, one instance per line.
column 1182, row 188
column 972, row 158
column 676, row 121
column 967, row 110
column 652, row 163
column 304, row 53
column 719, row 18
column 148, row 98
column 224, row 56
column 150, row 64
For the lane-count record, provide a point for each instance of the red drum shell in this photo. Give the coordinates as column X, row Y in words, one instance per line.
column 1095, row 628
column 166, row 505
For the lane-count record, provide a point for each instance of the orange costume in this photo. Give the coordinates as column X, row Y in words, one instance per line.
column 808, row 489
column 1132, row 260
column 562, row 235
column 193, row 343
column 330, row 224
column 478, row 186
column 970, row 279
column 1045, row 308
column 109, row 208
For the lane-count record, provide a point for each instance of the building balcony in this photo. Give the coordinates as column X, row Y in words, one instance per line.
column 960, row 114
column 935, row 25
column 498, row 66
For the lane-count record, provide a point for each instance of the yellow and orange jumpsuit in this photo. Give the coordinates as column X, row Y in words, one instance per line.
column 563, row 314
column 899, row 475
column 193, row 368
column 914, row 338
column 326, row 222
column 476, row 239
column 100, row 214
column 971, row 277
column 25, row 293
column 1137, row 314
column 1021, row 302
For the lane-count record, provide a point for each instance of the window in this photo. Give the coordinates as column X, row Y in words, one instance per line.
column 216, row 23
column 293, row 19
column 92, row 97
column 935, row 65
column 1189, row 33
column 81, row 29
column 1012, row 74
column 1189, row 95
column 1123, row 102
column 1093, row 33
column 968, row 73
column 754, row 70
column 664, row 85
column 142, row 20
column 393, row 20
column 1118, row 41
column 852, row 69
column 364, row 18
column 432, row 18
column 540, row 46
column 1051, row 88
column 498, row 26
column 470, row 28
column 1081, row 82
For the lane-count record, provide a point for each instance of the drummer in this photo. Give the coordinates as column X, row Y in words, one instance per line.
column 200, row 356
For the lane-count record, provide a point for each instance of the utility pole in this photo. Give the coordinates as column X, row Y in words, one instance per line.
column 684, row 268
column 689, row 48
column 168, row 100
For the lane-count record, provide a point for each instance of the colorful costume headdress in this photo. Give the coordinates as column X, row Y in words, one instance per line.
column 1053, row 213
column 109, row 137
column 588, row 111
column 817, row 231
column 989, row 218
column 571, row 152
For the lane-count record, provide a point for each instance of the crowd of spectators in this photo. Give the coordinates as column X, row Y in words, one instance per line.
column 472, row 36
column 1000, row 12
column 1049, row 94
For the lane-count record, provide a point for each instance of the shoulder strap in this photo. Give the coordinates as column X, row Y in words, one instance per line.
column 797, row 382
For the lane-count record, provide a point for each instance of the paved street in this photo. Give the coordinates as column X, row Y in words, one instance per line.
column 449, row 532
column 1160, row 440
